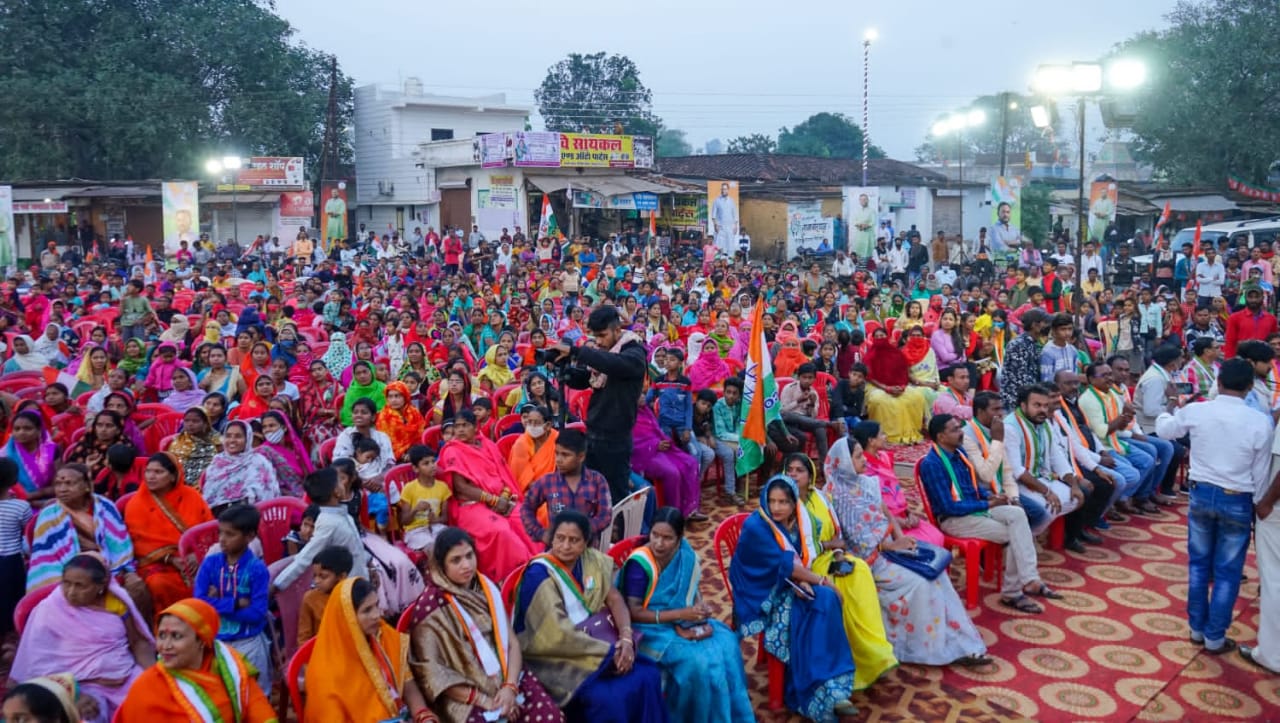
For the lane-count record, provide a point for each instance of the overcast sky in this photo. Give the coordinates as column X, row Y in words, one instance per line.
column 723, row 69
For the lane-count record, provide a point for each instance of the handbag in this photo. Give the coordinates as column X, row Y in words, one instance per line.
column 601, row 627
column 929, row 561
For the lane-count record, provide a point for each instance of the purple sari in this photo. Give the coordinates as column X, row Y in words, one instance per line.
column 673, row 471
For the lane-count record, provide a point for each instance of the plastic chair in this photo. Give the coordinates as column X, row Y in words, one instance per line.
column 289, row 603
column 33, row 393
column 972, row 548
column 580, row 426
column 274, row 525
column 165, row 426
column 502, row 425
column 431, row 436
column 724, row 544
column 28, row 603
column 622, row 549
column 396, row 478
column 326, row 450
column 631, row 510
column 198, row 539
column 506, row 443
column 294, row 671
column 167, row 442
column 123, row 502
column 406, row 620
column 509, row 587
column 500, row 397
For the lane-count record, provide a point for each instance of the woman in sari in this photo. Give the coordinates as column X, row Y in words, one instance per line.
column 156, row 517
column 722, row 336
column 257, row 363
column 197, row 676
column 283, row 448
column 789, row 353
column 400, row 420
column 496, row 372
column 534, row 452
column 925, row 619
column 359, row 669
column 880, row 466
column 455, row 397
column 673, row 470
column 708, row 371
column 466, row 658
column 124, row 405
column 849, row 576
column 922, row 366
column 24, row 358
column 220, row 378
column 238, row 473
column 416, row 363
column 134, row 361
column 775, row 593
column 91, row 450
column 255, row 403
column 35, row 453
column 535, row 390
column 363, row 386
column 574, row 630
column 94, row 365
column 486, row 498
column 195, row 445
column 912, row 317
column 701, row 658
column 185, row 394
column 319, row 405
column 89, row 627
column 891, row 400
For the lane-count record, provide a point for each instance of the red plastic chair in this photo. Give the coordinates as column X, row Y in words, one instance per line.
column 509, row 587
column 34, row 393
column 431, row 436
column 502, row 425
column 294, row 671
column 972, row 548
column 406, row 620
column 396, row 478
column 198, row 539
column 124, row 502
column 28, row 603
column 164, row 427
column 500, row 397
column 274, row 525
column 167, row 442
column 326, row 450
column 289, row 603
column 623, row 549
column 724, row 544
column 580, row 426
column 506, row 443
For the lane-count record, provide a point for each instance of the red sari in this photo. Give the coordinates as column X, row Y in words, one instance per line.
column 501, row 542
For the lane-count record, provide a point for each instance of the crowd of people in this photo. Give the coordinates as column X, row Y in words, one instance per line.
column 456, row 421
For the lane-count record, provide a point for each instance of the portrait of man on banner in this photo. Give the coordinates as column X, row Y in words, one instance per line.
column 181, row 207
column 334, row 219
column 1103, row 197
column 722, row 217
column 862, row 208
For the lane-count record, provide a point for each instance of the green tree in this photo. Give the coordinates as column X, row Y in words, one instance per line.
column 1023, row 136
column 596, row 93
column 755, row 143
column 672, row 142
column 1212, row 92
column 1035, row 212
column 148, row 88
column 828, row 135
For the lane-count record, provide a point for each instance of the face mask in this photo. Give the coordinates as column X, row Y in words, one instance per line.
column 275, row 437
column 536, row 430
column 998, row 324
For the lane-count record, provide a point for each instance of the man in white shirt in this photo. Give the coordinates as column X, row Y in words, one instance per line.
column 1047, row 482
column 983, row 442
column 945, row 275
column 1096, row 481
column 1231, row 456
column 1210, row 276
column 1061, row 255
column 898, row 257
column 1267, row 546
column 1090, row 259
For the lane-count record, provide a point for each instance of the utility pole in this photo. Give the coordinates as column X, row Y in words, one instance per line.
column 329, row 151
column 1004, row 129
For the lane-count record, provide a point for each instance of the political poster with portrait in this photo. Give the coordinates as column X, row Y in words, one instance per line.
column 493, row 150
column 862, row 212
column 1006, row 189
column 8, row 240
column 535, row 149
column 807, row 229
column 333, row 213
column 723, row 218
column 296, row 209
column 180, row 201
column 1104, row 196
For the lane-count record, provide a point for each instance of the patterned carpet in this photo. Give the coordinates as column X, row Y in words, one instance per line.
column 1114, row 649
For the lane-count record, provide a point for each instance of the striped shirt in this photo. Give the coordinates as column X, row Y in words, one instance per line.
column 14, row 516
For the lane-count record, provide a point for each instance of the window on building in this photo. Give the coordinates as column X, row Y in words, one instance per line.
column 441, row 134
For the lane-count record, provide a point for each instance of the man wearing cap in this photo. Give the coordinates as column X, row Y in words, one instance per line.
column 1251, row 322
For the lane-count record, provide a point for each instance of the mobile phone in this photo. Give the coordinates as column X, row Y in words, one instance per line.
column 800, row 593
column 1183, row 387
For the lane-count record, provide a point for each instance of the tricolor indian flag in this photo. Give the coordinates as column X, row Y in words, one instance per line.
column 547, row 227
column 759, row 398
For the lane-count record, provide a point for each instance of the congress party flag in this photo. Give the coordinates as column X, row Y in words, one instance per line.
column 547, row 227
column 759, row 398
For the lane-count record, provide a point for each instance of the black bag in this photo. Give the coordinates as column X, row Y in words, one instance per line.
column 928, row 562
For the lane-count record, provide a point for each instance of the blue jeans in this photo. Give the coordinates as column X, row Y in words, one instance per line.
column 1162, row 450
column 728, row 454
column 1130, row 478
column 1036, row 512
column 1218, row 528
column 1144, row 458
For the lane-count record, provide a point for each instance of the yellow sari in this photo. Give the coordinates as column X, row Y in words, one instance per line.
column 859, row 601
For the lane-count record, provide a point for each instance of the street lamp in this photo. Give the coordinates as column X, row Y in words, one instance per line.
column 1084, row 80
column 957, row 123
column 868, row 37
column 229, row 164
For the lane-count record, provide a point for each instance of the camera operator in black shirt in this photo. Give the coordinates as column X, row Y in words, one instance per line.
column 618, row 366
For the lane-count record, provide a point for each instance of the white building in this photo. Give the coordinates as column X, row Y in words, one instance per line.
column 395, row 189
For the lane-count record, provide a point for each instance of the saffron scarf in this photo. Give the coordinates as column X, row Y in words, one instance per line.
column 353, row 676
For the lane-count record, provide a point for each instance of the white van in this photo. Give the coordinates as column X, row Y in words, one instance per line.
column 1253, row 231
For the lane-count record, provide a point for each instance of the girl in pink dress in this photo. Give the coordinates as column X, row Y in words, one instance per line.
column 880, row 466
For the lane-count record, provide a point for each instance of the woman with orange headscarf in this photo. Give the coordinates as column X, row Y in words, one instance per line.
column 359, row 669
column 197, row 676
column 789, row 354
column 156, row 517
column 400, row 420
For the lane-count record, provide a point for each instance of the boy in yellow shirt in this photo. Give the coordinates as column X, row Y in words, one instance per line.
column 422, row 501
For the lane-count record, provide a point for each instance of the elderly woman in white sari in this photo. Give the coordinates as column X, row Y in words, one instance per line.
column 924, row 618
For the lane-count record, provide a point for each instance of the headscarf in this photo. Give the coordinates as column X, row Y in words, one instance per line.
column 246, row 475
column 177, row 331
column 403, row 426
column 35, row 471
column 339, row 355
column 65, row 688
column 915, row 350
column 886, row 363
column 742, row 342
column 53, row 350
column 132, row 364
column 709, row 369
column 31, row 361
column 693, row 348
column 291, row 447
column 285, row 349
column 348, row 675
column 790, row 357
column 374, row 390
column 198, row 614
column 84, row 372
column 495, row 370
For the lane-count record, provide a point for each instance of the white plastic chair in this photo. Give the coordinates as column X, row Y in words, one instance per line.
column 631, row 510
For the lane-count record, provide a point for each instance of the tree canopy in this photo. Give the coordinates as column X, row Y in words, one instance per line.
column 754, row 143
column 1212, row 93
column 672, row 142
column 139, row 89
column 828, row 135
column 596, row 93
column 1023, row 135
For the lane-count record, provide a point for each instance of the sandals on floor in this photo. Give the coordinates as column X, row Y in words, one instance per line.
column 1022, row 604
column 972, row 661
column 1045, row 592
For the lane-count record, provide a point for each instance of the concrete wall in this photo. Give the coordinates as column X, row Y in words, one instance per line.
column 766, row 222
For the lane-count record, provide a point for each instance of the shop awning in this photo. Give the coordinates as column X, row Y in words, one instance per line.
column 52, row 193
column 118, row 192
column 604, row 185
column 1196, row 204
column 550, row 184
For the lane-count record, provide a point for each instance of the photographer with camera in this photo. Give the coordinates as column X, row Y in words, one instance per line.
column 617, row 372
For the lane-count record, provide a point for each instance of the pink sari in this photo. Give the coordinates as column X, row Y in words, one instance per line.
column 880, row 466
column 501, row 542
column 674, row 471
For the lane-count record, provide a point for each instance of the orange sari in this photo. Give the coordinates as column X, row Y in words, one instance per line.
column 528, row 465
column 155, row 524
column 405, row 426
column 352, row 678
column 161, row 694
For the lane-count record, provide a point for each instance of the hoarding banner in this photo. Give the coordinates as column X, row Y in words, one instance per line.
column 39, row 207
column 536, row 149
column 862, row 208
column 502, row 191
column 643, row 146
column 687, row 212
column 493, row 150
column 807, row 228
column 8, row 240
column 722, row 214
column 1006, row 189
column 333, row 213
column 273, row 173
column 297, row 204
column 181, row 209
column 588, row 150
column 1103, row 198
column 586, row 198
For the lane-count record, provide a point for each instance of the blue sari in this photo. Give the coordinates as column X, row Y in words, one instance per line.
column 806, row 635
column 702, row 680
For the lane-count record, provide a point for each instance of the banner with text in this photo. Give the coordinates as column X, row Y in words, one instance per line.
column 272, row 173
column 586, row 198
column 686, row 212
column 535, row 149
column 296, row 211
column 493, row 150
column 588, row 150
column 180, row 201
column 808, row 229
